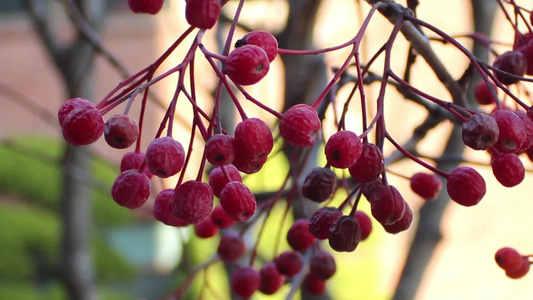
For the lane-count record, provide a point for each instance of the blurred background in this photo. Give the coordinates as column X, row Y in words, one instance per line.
column 63, row 237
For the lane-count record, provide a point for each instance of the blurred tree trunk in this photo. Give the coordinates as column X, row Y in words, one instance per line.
column 74, row 60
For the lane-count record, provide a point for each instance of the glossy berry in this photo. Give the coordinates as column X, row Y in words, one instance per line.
column 246, row 65
column 163, row 209
column 193, row 201
column 220, row 176
column 202, row 14
column 483, row 94
column 480, row 132
column 365, row 223
column 205, row 229
column 345, row 234
column 369, row 164
column 81, row 122
column 300, row 125
column 145, row 6
column 319, row 184
column 299, row 236
column 513, row 133
column 219, row 150
column 314, row 285
column 121, row 131
column 427, row 186
column 508, row 258
column 465, row 186
column 238, row 201
column 512, row 62
column 131, row 189
column 245, row 281
column 508, row 169
column 253, row 139
column 322, row 265
column 387, row 205
column 271, row 279
column 342, row 149
column 263, row 39
column 165, row 157
column 520, row 272
column 134, row 160
column 289, row 263
column 403, row 223
column 231, row 247
column 220, row 218
column 322, row 220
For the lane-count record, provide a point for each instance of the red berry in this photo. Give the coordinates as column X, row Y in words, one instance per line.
column 322, row 265
column 165, row 157
column 131, row 189
column 322, row 220
column 245, row 281
column 238, row 201
column 480, row 132
column 508, row 169
column 247, row 165
column 319, row 184
column 528, row 126
column 202, row 14
column 253, row 139
column 264, row 40
column 219, row 150
column 271, row 279
column 134, row 160
column 299, row 236
column 513, row 62
column 70, row 105
column 289, row 263
column 465, row 186
column 81, row 122
column 365, row 223
column 121, row 131
column 145, row 6
column 520, row 272
column 205, row 229
column 193, row 201
column 513, row 133
column 403, row 223
column 369, row 164
column 231, row 247
column 246, row 65
column 527, row 51
column 387, row 205
column 163, row 209
column 427, row 186
column 220, row 176
column 342, row 149
column 220, row 218
column 508, row 259
column 345, row 234
column 300, row 125
column 483, row 94
column 313, row 285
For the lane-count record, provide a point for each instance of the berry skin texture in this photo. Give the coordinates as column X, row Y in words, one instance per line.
column 131, row 189
column 205, row 229
column 342, row 149
column 513, row 62
column 427, row 186
column 319, row 184
column 480, row 132
column 482, row 93
column 369, row 164
column 218, row 178
column 220, row 218
column 145, row 6
column 165, row 157
column 202, row 14
column 163, row 209
column 508, row 169
column 508, row 259
column 322, row 220
column 231, row 247
column 299, row 236
column 219, row 150
column 345, row 234
column 466, row 186
column 403, row 223
column 263, row 39
column 271, row 279
column 300, row 125
column 253, row 139
column 512, row 131
column 81, row 122
column 245, row 281
column 121, row 131
column 238, row 201
column 193, row 201
column 365, row 223
column 134, row 160
column 289, row 263
column 322, row 265
column 246, row 65
column 387, row 205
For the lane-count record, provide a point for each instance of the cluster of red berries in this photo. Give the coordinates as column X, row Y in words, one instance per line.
column 504, row 133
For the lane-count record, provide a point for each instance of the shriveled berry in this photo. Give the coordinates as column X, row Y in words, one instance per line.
column 483, row 93
column 322, row 220
column 314, row 285
column 528, row 126
column 289, row 263
column 370, row 188
column 163, row 209
column 220, row 218
column 466, row 186
column 319, row 184
column 131, row 189
column 403, row 223
column 345, row 234
column 253, row 139
column 121, row 131
column 81, row 122
column 220, row 176
column 342, row 149
column 513, row 133
column 205, row 229
column 165, row 157
column 508, row 258
column 134, row 161
column 202, row 14
column 480, row 132
column 145, row 6
column 299, row 236
column 322, row 265
column 193, row 201
column 365, row 223
column 520, row 272
column 238, row 201
column 512, row 62
column 527, row 51
column 369, row 164
column 245, row 281
column 300, row 125
column 231, row 247
column 387, row 205
column 427, row 186
column 219, row 150
column 508, row 169
column 246, row 65
column 262, row 39
column 271, row 279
